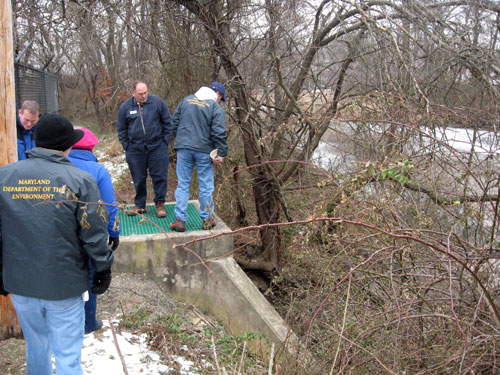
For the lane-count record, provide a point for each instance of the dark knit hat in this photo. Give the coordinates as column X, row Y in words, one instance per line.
column 56, row 132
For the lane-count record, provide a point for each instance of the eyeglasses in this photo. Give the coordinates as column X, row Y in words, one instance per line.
column 32, row 122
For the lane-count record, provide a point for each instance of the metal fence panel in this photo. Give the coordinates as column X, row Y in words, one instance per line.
column 35, row 84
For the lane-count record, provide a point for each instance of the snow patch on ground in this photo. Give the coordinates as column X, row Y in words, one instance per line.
column 115, row 167
column 100, row 354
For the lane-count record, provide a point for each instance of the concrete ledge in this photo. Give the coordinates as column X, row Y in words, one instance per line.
column 204, row 273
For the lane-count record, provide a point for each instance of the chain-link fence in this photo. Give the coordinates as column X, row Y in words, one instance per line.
column 35, row 84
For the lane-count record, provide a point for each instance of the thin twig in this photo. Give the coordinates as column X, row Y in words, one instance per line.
column 271, row 360
column 343, row 323
column 118, row 348
column 242, row 357
column 215, row 355
column 201, row 316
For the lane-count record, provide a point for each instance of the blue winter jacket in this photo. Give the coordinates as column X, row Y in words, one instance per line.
column 143, row 127
column 199, row 125
column 25, row 139
column 87, row 161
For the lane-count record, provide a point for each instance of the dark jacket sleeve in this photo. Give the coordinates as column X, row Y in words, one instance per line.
column 122, row 125
column 218, row 130
column 93, row 220
column 165, row 122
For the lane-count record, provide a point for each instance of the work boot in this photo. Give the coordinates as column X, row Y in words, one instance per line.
column 209, row 223
column 160, row 210
column 135, row 211
column 178, row 226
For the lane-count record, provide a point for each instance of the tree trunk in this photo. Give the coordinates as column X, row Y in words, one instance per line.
column 9, row 325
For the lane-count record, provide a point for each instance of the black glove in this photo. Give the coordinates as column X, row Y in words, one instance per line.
column 3, row 292
column 101, row 281
column 114, row 242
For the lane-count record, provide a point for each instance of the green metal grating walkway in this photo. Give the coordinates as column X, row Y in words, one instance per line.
column 130, row 224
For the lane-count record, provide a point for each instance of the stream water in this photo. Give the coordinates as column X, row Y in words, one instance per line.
column 332, row 153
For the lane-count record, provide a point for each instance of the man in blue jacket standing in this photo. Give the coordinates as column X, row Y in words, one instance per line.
column 144, row 130
column 82, row 156
column 199, row 128
column 45, row 263
column 27, row 118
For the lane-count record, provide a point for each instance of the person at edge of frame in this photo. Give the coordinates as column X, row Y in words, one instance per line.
column 26, row 120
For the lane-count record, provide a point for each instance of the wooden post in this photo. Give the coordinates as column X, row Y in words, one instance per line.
column 9, row 325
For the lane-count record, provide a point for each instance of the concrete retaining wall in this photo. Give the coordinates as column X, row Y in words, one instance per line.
column 205, row 274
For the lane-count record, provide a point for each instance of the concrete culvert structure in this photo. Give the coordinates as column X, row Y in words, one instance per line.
column 197, row 267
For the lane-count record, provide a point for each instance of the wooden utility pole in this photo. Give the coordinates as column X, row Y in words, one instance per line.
column 9, row 325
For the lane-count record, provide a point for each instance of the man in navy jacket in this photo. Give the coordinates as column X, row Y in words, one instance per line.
column 26, row 120
column 144, row 130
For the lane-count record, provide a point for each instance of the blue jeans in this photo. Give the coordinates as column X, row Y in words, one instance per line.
column 51, row 325
column 154, row 161
column 186, row 160
column 91, row 305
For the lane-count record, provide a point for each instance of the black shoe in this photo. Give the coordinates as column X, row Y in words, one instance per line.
column 99, row 326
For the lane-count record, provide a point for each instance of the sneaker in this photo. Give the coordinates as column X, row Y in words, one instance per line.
column 209, row 224
column 160, row 210
column 178, row 226
column 135, row 211
column 99, row 326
